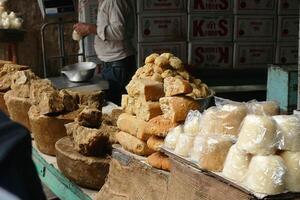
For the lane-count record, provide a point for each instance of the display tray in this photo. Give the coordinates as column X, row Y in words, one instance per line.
column 218, row 176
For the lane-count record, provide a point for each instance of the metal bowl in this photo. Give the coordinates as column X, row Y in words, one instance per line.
column 206, row 102
column 79, row 72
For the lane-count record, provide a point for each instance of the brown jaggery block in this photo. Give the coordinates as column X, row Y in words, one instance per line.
column 160, row 126
column 51, row 103
column 176, row 63
column 18, row 108
column 92, row 99
column 177, row 108
column 8, row 68
column 147, row 89
column 88, row 141
column 175, row 86
column 48, row 130
column 37, row 87
column 20, row 78
column 155, row 142
column 151, row 58
column 3, row 62
column 159, row 161
column 89, row 117
column 133, row 144
column 147, row 110
column 88, row 172
column 70, row 103
column 134, row 126
column 128, row 104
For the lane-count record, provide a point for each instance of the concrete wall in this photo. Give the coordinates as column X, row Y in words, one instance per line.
column 29, row 50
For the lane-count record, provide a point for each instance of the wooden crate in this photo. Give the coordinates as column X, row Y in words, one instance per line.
column 188, row 182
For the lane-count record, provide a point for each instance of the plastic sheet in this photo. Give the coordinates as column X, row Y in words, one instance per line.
column 172, row 137
column 288, row 127
column 192, row 123
column 292, row 162
column 219, row 101
column 269, row 108
column 184, row 145
column 224, row 119
column 210, row 151
column 236, row 164
column 258, row 135
column 266, row 175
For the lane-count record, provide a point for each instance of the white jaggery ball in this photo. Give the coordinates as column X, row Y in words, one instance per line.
column 266, row 175
column 192, row 123
column 258, row 135
column 210, row 151
column 288, row 127
column 236, row 164
column 184, row 145
column 172, row 137
column 223, row 119
column 269, row 108
column 292, row 162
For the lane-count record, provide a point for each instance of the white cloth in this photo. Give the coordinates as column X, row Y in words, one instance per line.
column 115, row 29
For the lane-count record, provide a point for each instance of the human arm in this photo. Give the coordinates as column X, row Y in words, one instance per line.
column 84, row 29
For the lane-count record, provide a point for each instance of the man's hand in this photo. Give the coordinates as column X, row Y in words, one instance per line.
column 85, row 29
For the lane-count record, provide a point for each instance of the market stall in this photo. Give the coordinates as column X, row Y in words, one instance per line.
column 167, row 132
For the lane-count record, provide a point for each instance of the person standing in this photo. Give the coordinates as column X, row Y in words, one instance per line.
column 113, row 33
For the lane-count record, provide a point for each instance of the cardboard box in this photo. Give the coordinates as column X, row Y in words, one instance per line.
column 288, row 7
column 288, row 28
column 287, row 53
column 265, row 7
column 177, row 48
column 161, row 5
column 208, row 27
column 223, row 6
column 254, row 28
column 162, row 27
column 211, row 55
column 253, row 55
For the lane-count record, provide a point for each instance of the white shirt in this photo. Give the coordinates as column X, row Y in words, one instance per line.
column 115, row 29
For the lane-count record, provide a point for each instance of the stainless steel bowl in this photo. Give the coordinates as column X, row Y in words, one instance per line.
column 205, row 103
column 79, row 72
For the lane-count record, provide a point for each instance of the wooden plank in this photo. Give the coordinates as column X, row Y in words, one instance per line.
column 220, row 183
column 186, row 183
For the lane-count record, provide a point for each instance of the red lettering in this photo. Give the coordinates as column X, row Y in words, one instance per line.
column 224, row 5
column 200, row 56
column 197, row 30
column 198, row 4
column 223, row 27
column 224, row 55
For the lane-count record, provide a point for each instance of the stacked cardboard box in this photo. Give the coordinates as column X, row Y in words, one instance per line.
column 254, row 33
column 210, row 33
column 287, row 33
column 162, row 27
column 221, row 34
